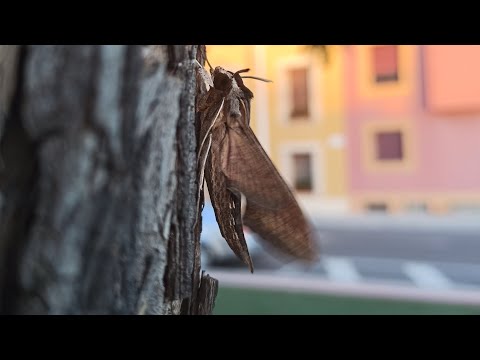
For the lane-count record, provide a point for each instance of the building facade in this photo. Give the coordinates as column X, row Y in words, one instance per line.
column 413, row 128
column 390, row 128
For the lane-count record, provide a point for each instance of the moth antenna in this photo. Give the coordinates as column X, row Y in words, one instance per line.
column 256, row 78
column 210, row 128
column 241, row 71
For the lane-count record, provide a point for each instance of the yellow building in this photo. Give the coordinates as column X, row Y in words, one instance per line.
column 299, row 118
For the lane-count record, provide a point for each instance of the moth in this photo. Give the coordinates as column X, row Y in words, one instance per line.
column 245, row 187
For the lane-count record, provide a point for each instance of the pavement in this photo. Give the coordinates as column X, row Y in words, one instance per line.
column 316, row 285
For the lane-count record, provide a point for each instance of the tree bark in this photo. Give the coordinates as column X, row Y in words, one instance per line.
column 98, row 183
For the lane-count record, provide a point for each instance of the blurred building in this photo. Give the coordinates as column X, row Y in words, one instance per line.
column 374, row 128
column 413, row 127
column 299, row 119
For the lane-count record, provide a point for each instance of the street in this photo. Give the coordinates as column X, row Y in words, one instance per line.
column 436, row 253
column 420, row 238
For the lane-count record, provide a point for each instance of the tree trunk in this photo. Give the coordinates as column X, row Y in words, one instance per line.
column 98, row 183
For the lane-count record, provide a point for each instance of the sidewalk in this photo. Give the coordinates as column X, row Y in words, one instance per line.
column 417, row 222
column 306, row 284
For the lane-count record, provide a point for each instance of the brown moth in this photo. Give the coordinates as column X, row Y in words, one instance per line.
column 236, row 168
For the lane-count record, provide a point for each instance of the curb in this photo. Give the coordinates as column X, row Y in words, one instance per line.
column 264, row 281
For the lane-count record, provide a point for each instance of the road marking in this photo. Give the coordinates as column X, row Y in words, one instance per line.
column 426, row 276
column 340, row 269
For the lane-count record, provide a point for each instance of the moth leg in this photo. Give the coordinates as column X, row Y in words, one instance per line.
column 202, row 169
column 208, row 62
column 202, row 176
column 206, row 59
column 209, row 129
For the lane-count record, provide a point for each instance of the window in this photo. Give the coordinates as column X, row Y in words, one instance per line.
column 303, row 171
column 377, row 207
column 299, row 92
column 385, row 63
column 389, row 145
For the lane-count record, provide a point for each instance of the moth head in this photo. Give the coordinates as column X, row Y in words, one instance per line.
column 230, row 84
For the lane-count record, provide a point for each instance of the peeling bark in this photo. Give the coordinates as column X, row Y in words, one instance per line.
column 98, row 184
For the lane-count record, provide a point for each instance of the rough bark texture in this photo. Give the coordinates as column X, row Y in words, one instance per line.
column 98, row 183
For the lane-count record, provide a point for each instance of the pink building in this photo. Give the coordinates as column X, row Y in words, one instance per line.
column 413, row 127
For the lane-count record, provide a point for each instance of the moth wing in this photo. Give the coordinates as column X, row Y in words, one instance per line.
column 272, row 211
column 249, row 170
column 226, row 204
column 284, row 229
